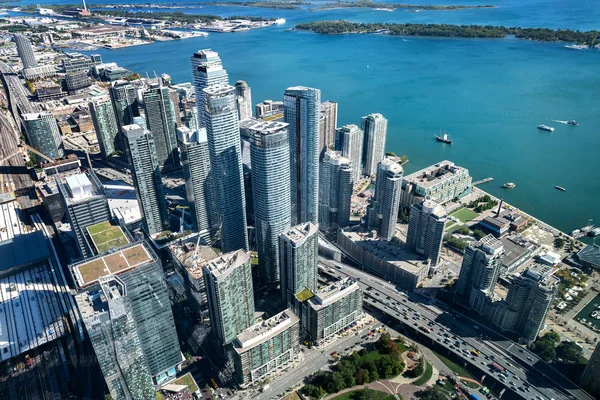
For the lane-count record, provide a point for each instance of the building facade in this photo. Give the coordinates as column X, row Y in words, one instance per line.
column 589, row 379
column 161, row 121
column 43, row 133
column 328, row 126
column 125, row 103
column 25, row 51
column 207, row 70
column 374, row 127
column 243, row 97
column 382, row 214
column 426, row 230
column 335, row 191
column 76, row 62
column 301, row 111
column 350, row 143
column 77, row 80
column 105, row 124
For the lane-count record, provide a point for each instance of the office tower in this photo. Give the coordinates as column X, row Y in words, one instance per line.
column 589, row 379
column 195, row 159
column 207, row 70
column 25, row 51
column 243, row 99
column 84, row 199
column 335, row 191
column 327, row 126
column 383, row 210
column 223, row 131
column 270, row 159
column 480, row 270
column 161, row 122
column 105, row 124
column 141, row 154
column 298, row 254
column 127, row 314
column 350, row 143
column 174, row 95
column 301, row 111
column 124, row 99
column 426, row 230
column 43, row 133
column 228, row 281
column 374, row 127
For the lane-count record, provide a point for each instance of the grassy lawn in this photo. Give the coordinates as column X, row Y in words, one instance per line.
column 371, row 356
column 472, row 385
column 102, row 226
column 292, row 396
column 454, row 367
column 374, row 393
column 465, row 215
column 426, row 375
column 188, row 381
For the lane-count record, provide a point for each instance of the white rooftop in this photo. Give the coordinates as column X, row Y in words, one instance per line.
column 80, row 186
column 264, row 330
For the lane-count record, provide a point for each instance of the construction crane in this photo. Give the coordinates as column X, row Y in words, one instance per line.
column 181, row 220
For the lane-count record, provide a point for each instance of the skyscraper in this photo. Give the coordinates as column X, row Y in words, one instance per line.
column 25, row 51
column 301, row 111
column 223, row 131
column 125, row 103
column 328, row 125
column 270, row 158
column 228, row 281
column 84, row 199
column 243, row 99
column 195, row 159
column 426, row 230
column 43, row 133
column 298, row 254
column 383, row 210
column 375, row 129
column 105, row 124
column 350, row 143
column 335, row 191
column 141, row 154
column 207, row 70
column 161, row 121
column 589, row 379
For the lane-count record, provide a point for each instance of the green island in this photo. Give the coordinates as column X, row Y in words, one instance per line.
column 589, row 38
column 394, row 6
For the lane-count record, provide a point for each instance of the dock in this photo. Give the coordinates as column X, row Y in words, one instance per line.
column 479, row 182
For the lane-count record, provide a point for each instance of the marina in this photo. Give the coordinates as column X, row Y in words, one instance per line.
column 590, row 314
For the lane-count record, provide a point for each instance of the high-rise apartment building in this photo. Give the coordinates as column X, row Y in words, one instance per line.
column 141, row 154
column 86, row 204
column 25, row 51
column 383, row 210
column 374, row 127
column 127, row 314
column 223, row 131
column 335, row 191
column 589, row 379
column 298, row 254
column 195, row 159
column 125, row 102
column 243, row 98
column 207, row 70
column 426, row 230
column 327, row 126
column 43, row 133
column 350, row 143
column 301, row 111
column 228, row 282
column 176, row 100
column 270, row 158
column 105, row 124
column 161, row 121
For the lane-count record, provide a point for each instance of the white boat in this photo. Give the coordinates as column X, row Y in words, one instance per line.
column 280, row 21
column 546, row 128
column 577, row 46
column 509, row 185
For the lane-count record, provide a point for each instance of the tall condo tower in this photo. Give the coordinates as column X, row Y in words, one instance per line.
column 375, row 129
column 335, row 191
column 350, row 143
column 43, row 134
column 223, row 132
column 161, row 121
column 25, row 51
column 105, row 124
column 301, row 111
column 328, row 125
column 126, row 106
column 243, row 98
column 426, row 229
column 270, row 158
column 383, row 210
column 207, row 70
column 141, row 154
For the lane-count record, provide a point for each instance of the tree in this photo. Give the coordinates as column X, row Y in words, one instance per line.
column 569, row 352
column 545, row 348
column 553, row 337
column 431, row 393
column 313, row 391
column 336, row 383
column 478, row 233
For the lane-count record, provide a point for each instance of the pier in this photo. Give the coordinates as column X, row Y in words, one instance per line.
column 479, row 182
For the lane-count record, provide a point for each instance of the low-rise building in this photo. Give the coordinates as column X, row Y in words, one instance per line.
column 77, row 80
column 47, row 93
column 41, row 71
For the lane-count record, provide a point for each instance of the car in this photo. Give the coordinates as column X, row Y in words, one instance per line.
column 483, row 363
column 530, row 359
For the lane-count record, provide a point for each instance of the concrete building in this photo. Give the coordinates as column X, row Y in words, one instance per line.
column 243, row 98
column 228, row 282
column 374, row 127
column 105, row 124
column 441, row 182
column 589, row 379
column 298, row 254
column 25, row 51
column 301, row 111
column 266, row 348
column 162, row 123
column 77, row 80
column 76, row 62
column 270, row 158
column 426, row 230
column 195, row 159
column 382, row 214
column 269, row 110
column 335, row 191
column 43, row 133
column 128, row 317
column 223, row 132
column 327, row 126
column 174, row 95
column 207, row 70
column 41, row 71
column 126, row 106
column 141, row 155
column 84, row 199
column 350, row 143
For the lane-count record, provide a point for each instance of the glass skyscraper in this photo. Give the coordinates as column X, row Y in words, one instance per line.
column 105, row 124
column 375, row 132
column 25, row 51
column 161, row 121
column 207, row 70
column 383, row 210
column 350, row 143
column 335, row 191
column 43, row 133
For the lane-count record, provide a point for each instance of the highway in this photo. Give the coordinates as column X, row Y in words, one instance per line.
column 459, row 335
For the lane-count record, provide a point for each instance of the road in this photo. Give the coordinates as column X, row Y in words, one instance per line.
column 526, row 366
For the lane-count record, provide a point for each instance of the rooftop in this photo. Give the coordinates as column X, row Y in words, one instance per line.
column 219, row 90
column 259, row 126
column 392, row 164
column 489, row 244
column 590, row 254
column 224, row 264
column 122, row 201
column 134, row 131
column 334, row 292
column 106, row 236
column 435, row 174
column 297, row 234
column 192, row 257
column 265, row 330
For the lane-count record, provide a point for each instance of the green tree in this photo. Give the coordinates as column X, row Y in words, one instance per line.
column 553, row 337
column 569, row 352
column 544, row 348
column 431, row 393
column 313, row 391
column 336, row 383
column 478, row 233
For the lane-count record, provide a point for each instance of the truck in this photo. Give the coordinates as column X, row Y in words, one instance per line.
column 497, row 367
column 473, row 396
column 265, row 388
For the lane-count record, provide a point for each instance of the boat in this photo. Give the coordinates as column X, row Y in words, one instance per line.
column 444, row 139
column 546, row 128
column 577, row 46
column 572, row 122
column 509, row 185
column 562, row 189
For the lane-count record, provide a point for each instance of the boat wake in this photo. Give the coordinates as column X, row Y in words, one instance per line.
column 561, row 122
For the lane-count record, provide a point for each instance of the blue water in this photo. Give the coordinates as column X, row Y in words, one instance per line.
column 490, row 94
